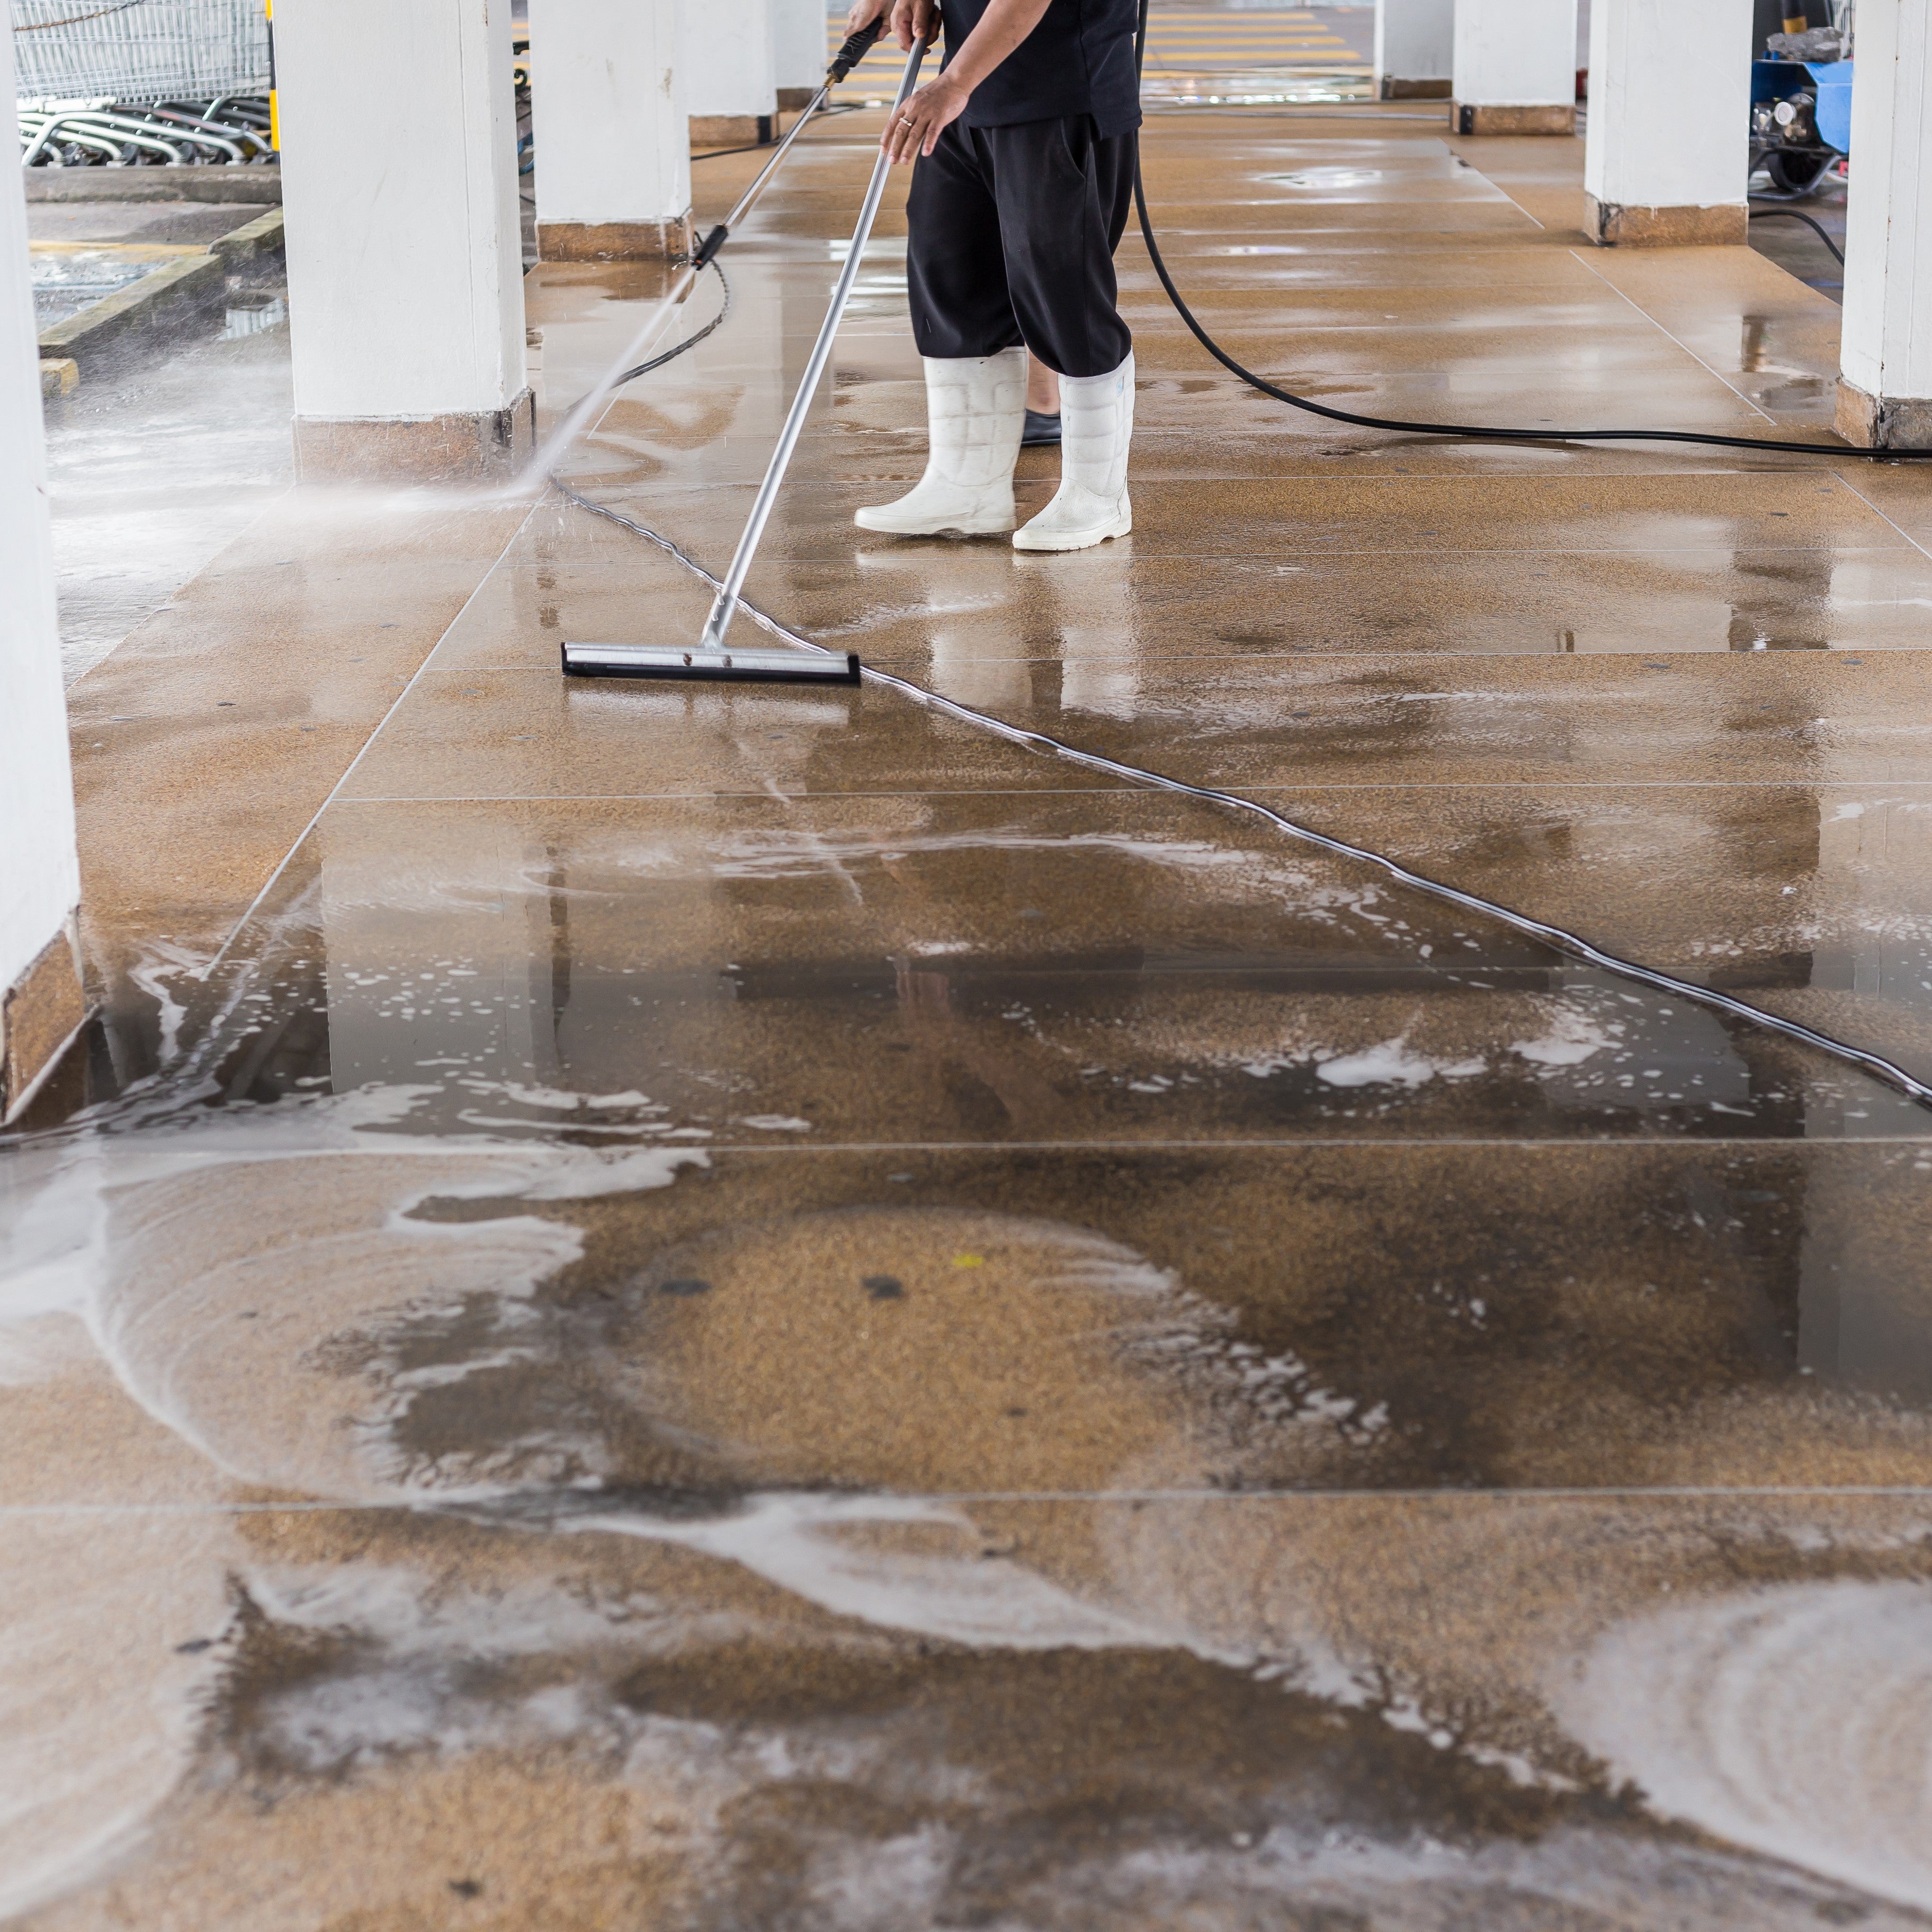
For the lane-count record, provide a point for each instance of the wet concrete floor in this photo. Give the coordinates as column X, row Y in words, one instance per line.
column 726, row 1309
column 165, row 453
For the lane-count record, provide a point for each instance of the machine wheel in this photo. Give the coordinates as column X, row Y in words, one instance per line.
column 1797, row 174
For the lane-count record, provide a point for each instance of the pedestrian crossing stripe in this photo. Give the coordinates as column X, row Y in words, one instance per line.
column 1188, row 41
column 1181, row 45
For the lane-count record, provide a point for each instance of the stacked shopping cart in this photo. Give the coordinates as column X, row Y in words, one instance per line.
column 141, row 83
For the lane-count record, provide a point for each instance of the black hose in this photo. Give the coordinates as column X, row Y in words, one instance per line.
column 691, row 340
column 1837, row 450
column 1793, row 214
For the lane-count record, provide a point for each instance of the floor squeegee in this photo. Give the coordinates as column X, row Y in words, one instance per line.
column 709, row 657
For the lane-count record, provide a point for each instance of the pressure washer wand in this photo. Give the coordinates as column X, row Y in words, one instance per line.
column 726, row 604
column 855, row 50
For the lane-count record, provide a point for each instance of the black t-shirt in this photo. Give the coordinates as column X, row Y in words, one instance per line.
column 1078, row 60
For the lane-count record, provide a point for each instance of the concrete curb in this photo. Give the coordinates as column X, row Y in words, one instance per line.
column 155, row 305
column 252, row 244
column 253, row 181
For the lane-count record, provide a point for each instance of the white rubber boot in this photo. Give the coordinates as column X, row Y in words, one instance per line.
column 975, row 410
column 1097, row 425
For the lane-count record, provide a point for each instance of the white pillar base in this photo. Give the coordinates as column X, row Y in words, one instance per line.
column 40, row 1015
column 1668, row 152
column 1882, row 422
column 406, row 286
column 1610, row 226
column 733, row 131
column 1515, row 67
column 479, row 445
column 1415, row 49
column 609, row 112
column 613, row 241
column 1474, row 117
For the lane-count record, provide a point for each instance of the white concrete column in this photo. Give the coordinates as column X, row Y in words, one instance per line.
column 801, row 42
column 1667, row 152
column 1415, row 47
column 1516, row 67
column 612, row 145
column 405, row 256
column 1885, row 396
column 40, row 1003
column 730, row 54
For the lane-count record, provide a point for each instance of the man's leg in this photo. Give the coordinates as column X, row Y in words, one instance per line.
column 1042, row 402
column 1062, row 191
column 964, row 325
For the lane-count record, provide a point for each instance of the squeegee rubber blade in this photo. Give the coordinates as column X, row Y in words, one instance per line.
column 676, row 662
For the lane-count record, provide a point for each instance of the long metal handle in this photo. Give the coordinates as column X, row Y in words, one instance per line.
column 764, row 174
column 726, row 603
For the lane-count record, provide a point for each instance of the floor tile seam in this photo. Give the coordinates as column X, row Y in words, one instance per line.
column 1658, row 326
column 584, row 1515
column 1370, row 655
column 1124, row 790
column 1197, row 559
column 513, row 1151
column 335, row 790
column 515, row 1154
column 1922, row 549
column 680, row 490
column 1481, row 174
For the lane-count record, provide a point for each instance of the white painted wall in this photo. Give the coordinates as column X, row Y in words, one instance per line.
column 39, row 875
column 730, row 55
column 1415, row 40
column 800, row 39
column 607, row 109
column 1887, row 333
column 399, row 181
column 1516, row 53
column 1670, row 132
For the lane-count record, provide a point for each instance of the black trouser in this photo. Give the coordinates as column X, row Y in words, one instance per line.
column 1011, row 233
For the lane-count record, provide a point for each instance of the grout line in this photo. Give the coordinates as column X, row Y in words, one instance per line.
column 584, row 1515
column 1195, row 560
column 1684, row 345
column 255, row 904
column 1125, row 790
column 1881, row 514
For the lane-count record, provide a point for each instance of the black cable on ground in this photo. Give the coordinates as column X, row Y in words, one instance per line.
column 1793, row 214
column 1558, row 938
column 691, row 340
column 1839, row 451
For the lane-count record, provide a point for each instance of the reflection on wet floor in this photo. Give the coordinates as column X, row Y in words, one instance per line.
column 165, row 452
column 1128, row 970
column 723, row 1310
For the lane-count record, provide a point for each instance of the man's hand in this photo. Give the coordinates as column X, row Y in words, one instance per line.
column 863, row 13
column 913, row 20
column 914, row 129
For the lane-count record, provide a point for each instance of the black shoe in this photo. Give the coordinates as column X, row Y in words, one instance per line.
column 1040, row 427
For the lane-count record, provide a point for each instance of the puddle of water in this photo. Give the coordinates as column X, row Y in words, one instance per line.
column 66, row 280
column 252, row 315
column 692, row 995
column 1329, row 178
